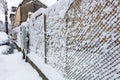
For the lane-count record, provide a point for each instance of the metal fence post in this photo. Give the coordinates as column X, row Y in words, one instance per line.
column 45, row 38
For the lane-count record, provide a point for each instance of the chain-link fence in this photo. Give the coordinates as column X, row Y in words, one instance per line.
column 85, row 43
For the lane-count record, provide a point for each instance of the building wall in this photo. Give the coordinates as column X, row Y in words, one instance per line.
column 17, row 17
column 22, row 11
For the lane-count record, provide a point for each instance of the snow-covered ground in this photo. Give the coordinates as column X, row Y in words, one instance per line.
column 4, row 49
column 13, row 67
column 3, row 38
column 48, row 71
column 3, row 41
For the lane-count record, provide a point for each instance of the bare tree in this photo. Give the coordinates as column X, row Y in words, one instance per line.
column 4, row 9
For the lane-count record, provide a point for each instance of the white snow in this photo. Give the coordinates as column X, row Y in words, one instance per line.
column 50, row 73
column 3, row 49
column 60, row 8
column 3, row 40
column 3, row 37
column 56, row 34
column 13, row 67
column 38, row 12
column 2, row 26
column 48, row 2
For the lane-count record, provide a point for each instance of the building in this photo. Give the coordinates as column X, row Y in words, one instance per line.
column 24, row 8
column 12, row 14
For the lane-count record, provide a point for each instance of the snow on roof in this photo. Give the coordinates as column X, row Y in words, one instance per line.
column 24, row 24
column 3, row 37
column 42, row 2
column 48, row 2
column 38, row 12
column 12, row 12
column 29, row 2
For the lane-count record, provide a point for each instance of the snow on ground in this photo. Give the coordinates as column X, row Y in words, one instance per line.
column 3, row 37
column 4, row 49
column 48, row 71
column 3, row 40
column 13, row 67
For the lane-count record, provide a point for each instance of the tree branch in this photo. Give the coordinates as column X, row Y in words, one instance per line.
column 3, row 6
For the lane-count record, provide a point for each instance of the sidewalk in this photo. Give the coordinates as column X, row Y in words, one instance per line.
column 13, row 67
column 46, row 72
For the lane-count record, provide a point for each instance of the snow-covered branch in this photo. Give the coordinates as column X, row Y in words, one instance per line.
column 3, row 6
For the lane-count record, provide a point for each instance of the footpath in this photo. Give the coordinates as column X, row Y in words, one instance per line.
column 13, row 67
column 46, row 72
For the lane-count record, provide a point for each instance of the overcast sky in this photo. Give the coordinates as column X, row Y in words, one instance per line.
column 17, row 2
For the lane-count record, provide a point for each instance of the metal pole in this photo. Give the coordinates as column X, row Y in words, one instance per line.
column 6, row 17
column 45, row 38
column 6, row 21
